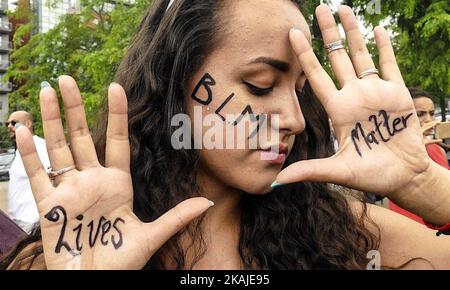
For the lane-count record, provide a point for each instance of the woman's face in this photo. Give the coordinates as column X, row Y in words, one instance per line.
column 424, row 109
column 253, row 70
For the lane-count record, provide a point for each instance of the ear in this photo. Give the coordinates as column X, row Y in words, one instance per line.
column 29, row 125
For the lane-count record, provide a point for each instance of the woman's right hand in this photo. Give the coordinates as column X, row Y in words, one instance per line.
column 86, row 215
column 427, row 139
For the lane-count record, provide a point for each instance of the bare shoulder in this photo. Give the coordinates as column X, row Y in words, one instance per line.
column 403, row 240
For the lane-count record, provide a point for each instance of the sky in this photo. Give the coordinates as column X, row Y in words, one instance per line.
column 335, row 5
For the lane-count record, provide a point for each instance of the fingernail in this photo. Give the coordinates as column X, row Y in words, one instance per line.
column 18, row 125
column 294, row 30
column 45, row 84
column 275, row 184
column 211, row 203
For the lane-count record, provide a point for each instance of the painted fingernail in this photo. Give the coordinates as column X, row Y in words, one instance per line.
column 18, row 125
column 294, row 30
column 45, row 84
column 211, row 203
column 276, row 184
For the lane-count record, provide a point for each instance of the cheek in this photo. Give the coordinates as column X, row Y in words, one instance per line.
column 423, row 119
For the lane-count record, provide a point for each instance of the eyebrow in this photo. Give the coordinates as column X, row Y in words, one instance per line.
column 277, row 64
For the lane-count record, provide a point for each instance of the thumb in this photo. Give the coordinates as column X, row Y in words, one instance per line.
column 314, row 170
column 162, row 229
column 432, row 141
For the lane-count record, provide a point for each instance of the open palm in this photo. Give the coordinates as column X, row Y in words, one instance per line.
column 86, row 214
column 378, row 132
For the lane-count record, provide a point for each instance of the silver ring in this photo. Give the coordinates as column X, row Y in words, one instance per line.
column 330, row 47
column 372, row 71
column 53, row 174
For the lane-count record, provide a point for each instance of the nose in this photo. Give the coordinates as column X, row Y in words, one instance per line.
column 428, row 118
column 291, row 119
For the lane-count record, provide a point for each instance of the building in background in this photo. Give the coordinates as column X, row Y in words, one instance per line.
column 48, row 12
column 5, row 48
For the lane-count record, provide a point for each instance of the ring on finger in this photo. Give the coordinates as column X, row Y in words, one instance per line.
column 330, row 47
column 54, row 173
column 372, row 71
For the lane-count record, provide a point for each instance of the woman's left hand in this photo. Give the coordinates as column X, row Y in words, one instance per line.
column 381, row 146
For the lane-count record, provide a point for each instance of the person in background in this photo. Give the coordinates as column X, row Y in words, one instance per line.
column 424, row 106
column 21, row 204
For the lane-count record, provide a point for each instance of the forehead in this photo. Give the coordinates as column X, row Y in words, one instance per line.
column 423, row 103
column 14, row 115
column 261, row 27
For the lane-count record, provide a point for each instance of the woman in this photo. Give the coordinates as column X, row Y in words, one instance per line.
column 424, row 106
column 225, row 57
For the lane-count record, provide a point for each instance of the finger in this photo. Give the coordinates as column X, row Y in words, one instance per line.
column 83, row 149
column 314, row 170
column 174, row 220
column 361, row 58
column 58, row 151
column 429, row 125
column 388, row 64
column 117, row 143
column 39, row 180
column 432, row 141
column 340, row 61
column 319, row 80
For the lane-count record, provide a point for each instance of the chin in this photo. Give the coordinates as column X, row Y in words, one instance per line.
column 259, row 182
column 259, row 190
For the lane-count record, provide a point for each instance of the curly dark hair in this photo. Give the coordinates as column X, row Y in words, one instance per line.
column 298, row 226
column 301, row 226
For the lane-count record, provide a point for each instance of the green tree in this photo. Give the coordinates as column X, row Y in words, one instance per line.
column 5, row 140
column 308, row 10
column 88, row 45
column 421, row 32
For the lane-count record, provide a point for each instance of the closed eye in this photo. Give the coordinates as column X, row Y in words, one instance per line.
column 257, row 91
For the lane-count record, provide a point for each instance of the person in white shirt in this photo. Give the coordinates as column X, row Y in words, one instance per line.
column 21, row 204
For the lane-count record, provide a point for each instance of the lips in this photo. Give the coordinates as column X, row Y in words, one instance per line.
column 275, row 154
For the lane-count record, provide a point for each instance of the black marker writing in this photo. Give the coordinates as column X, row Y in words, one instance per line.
column 206, row 81
column 222, row 106
column 259, row 118
column 93, row 238
column 78, row 230
column 370, row 138
column 103, row 228
column 53, row 216
column 120, row 242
